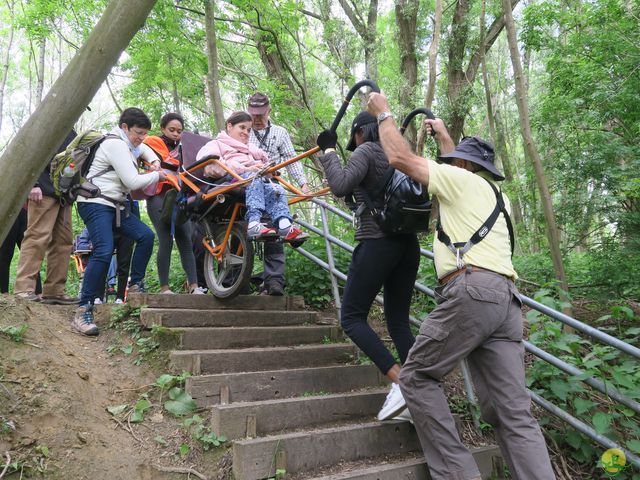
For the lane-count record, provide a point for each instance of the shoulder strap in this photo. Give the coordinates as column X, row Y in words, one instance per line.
column 460, row 248
column 377, row 190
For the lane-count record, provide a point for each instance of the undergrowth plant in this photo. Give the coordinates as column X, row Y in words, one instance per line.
column 126, row 320
column 15, row 333
column 615, row 369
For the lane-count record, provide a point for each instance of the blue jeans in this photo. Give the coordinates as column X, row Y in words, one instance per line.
column 100, row 221
column 265, row 197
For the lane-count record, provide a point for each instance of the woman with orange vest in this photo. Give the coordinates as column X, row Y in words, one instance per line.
column 166, row 147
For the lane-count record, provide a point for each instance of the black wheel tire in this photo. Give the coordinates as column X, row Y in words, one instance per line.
column 229, row 277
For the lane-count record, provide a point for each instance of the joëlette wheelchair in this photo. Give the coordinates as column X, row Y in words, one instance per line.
column 219, row 208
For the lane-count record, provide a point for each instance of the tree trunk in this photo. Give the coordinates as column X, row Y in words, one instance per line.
column 368, row 35
column 431, row 86
column 461, row 79
column 5, row 73
column 406, row 18
column 40, row 71
column 213, row 74
column 531, row 150
column 24, row 158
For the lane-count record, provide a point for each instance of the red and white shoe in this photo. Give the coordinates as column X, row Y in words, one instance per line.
column 295, row 235
column 260, row 230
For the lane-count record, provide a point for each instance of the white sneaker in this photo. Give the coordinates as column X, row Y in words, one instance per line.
column 405, row 416
column 198, row 291
column 394, row 403
column 119, row 301
column 97, row 301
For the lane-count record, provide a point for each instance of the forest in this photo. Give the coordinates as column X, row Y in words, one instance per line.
column 553, row 84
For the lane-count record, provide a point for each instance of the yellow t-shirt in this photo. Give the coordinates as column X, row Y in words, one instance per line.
column 466, row 201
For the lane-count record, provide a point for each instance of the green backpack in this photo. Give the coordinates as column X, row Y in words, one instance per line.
column 70, row 167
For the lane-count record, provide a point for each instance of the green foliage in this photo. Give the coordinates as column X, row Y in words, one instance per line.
column 602, row 362
column 15, row 333
column 195, row 426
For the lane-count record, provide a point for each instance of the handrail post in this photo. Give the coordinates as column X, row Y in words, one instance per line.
column 330, row 260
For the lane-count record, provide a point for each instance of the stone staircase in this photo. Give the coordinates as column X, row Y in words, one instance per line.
column 286, row 388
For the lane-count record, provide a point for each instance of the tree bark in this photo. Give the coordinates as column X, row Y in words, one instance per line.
column 5, row 72
column 24, row 158
column 368, row 34
column 406, row 21
column 459, row 78
column 40, row 71
column 213, row 74
column 433, row 57
column 531, row 150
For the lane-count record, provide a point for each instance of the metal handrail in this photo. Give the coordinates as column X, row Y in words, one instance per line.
column 540, row 353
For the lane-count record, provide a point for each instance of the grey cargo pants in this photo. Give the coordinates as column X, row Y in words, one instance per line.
column 478, row 316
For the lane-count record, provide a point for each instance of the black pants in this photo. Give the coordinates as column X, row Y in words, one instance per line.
column 390, row 262
column 14, row 238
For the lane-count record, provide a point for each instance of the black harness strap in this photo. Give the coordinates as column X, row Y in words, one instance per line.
column 262, row 138
column 460, row 248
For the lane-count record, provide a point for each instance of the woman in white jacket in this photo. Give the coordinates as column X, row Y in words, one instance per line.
column 115, row 171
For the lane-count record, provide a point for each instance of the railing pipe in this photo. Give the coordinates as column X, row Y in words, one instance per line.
column 583, row 427
column 593, row 332
column 332, row 265
column 571, row 370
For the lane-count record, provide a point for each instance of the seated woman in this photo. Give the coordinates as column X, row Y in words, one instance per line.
column 263, row 196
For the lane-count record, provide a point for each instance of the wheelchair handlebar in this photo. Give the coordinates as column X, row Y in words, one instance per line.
column 405, row 123
column 370, row 83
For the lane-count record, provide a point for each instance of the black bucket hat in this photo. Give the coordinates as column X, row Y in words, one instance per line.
column 475, row 150
column 363, row 118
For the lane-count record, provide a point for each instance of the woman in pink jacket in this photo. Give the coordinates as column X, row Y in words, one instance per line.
column 263, row 196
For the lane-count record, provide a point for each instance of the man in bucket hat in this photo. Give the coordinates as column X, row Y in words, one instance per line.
column 478, row 313
column 275, row 141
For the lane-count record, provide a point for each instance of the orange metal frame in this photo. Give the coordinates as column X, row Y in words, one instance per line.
column 219, row 250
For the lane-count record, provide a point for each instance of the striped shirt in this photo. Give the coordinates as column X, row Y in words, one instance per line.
column 276, row 142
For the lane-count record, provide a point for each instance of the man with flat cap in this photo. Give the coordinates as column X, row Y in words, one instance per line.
column 274, row 140
column 478, row 313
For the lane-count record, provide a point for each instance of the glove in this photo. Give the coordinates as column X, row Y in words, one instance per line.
column 327, row 139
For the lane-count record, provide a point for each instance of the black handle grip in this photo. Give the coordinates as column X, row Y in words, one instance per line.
column 347, row 100
column 412, row 114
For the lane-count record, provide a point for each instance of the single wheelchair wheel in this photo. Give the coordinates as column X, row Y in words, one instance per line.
column 229, row 276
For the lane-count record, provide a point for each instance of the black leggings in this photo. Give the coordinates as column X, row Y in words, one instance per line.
column 390, row 262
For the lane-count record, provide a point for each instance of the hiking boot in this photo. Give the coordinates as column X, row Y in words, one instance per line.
column 83, row 321
column 136, row 288
column 393, row 405
column 31, row 296
column 59, row 300
column 260, row 230
column 276, row 290
column 293, row 234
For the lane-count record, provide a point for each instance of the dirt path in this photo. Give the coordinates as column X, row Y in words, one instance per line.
column 54, row 390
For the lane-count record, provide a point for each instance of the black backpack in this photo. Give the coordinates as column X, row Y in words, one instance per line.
column 406, row 207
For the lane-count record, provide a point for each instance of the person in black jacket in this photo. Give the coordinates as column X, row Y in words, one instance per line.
column 48, row 232
column 379, row 259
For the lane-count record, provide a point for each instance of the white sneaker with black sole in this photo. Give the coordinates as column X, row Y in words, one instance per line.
column 393, row 405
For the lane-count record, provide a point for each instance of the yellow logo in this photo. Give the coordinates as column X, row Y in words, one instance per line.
column 613, row 461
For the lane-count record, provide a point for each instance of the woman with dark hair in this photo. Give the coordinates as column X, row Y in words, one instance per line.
column 379, row 260
column 166, row 148
column 262, row 196
column 115, row 171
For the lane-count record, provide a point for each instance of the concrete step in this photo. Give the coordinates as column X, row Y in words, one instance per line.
column 172, row 317
column 412, row 468
column 252, row 419
column 203, row 302
column 201, row 338
column 198, row 362
column 306, row 451
column 275, row 384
